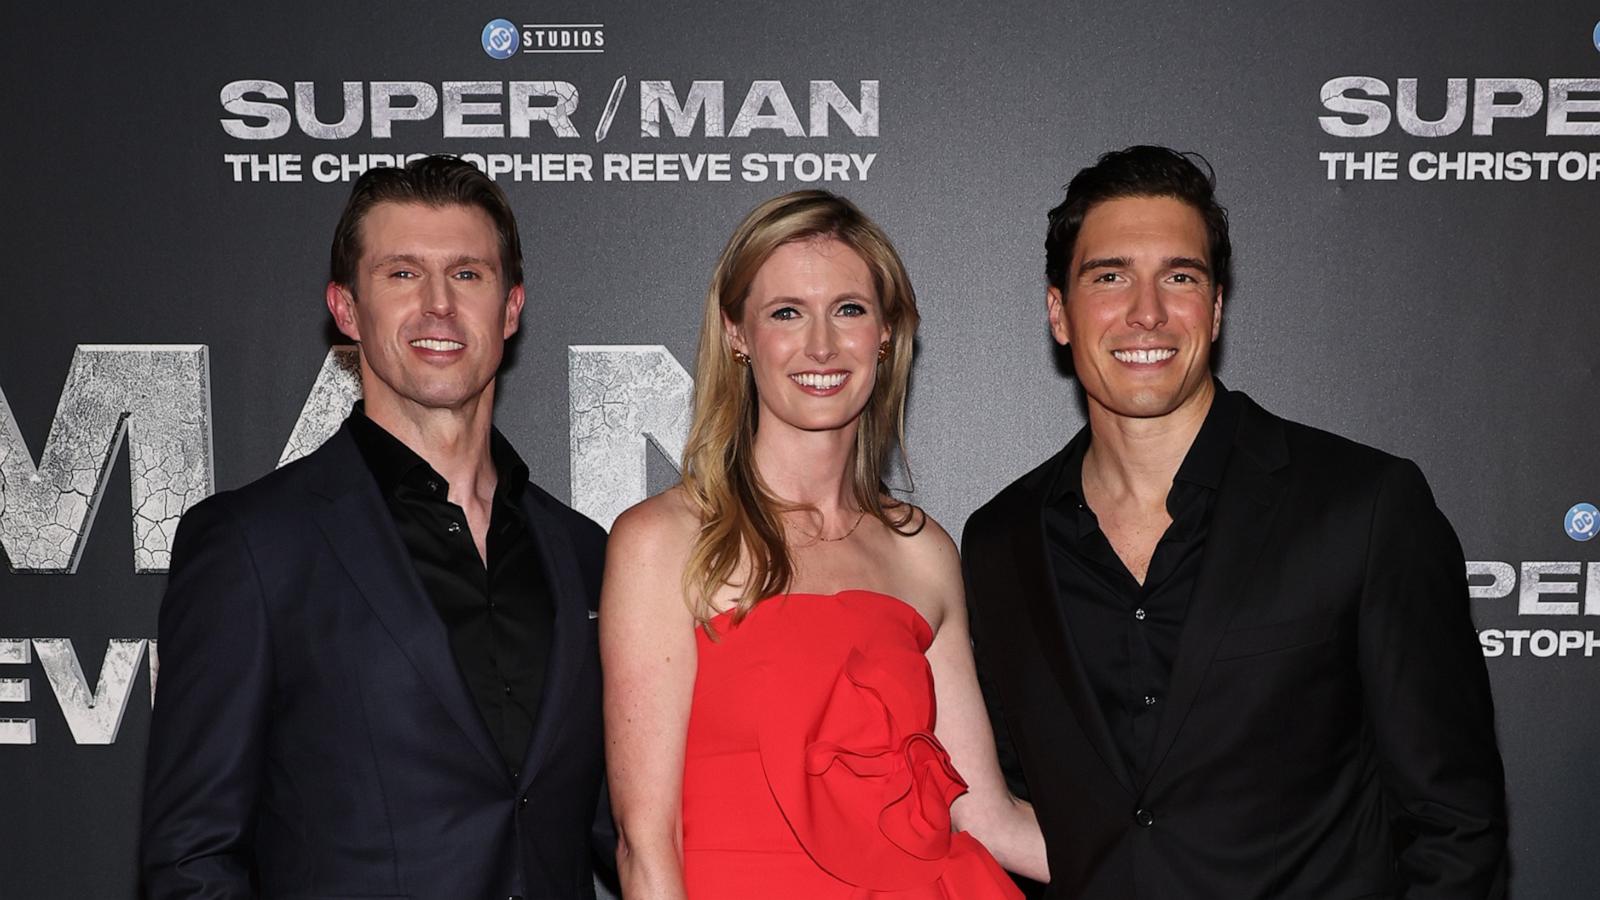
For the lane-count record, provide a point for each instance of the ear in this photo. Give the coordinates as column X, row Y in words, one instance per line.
column 514, row 302
column 735, row 335
column 1057, row 306
column 1216, row 316
column 342, row 304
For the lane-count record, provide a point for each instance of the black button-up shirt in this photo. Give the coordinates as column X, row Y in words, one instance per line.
column 498, row 613
column 1126, row 633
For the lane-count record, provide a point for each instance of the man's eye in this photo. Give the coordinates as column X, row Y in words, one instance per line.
column 1184, row 278
column 1106, row 277
column 785, row 313
column 467, row 275
column 402, row 273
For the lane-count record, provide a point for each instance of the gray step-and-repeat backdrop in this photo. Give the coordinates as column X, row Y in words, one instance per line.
column 1413, row 189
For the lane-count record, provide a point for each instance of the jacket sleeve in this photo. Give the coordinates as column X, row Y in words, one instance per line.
column 1427, row 694
column 986, row 636
column 203, row 770
column 987, row 650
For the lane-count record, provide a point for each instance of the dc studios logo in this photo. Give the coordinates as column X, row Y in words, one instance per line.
column 500, row 39
column 503, row 39
column 1582, row 522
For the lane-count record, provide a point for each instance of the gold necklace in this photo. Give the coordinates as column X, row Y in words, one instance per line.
column 829, row 540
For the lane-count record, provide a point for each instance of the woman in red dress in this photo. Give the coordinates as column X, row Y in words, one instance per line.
column 778, row 631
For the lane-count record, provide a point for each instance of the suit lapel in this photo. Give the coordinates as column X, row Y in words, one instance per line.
column 358, row 525
column 1038, row 586
column 569, row 635
column 1247, row 503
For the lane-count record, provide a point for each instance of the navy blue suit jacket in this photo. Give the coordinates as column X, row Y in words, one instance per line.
column 312, row 736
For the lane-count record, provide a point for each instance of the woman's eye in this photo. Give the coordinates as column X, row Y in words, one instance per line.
column 852, row 309
column 785, row 313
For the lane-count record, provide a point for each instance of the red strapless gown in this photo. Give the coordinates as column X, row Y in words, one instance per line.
column 812, row 770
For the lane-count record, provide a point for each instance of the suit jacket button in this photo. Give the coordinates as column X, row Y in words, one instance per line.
column 1144, row 817
column 523, row 803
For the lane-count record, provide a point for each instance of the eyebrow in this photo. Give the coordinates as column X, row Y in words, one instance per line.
column 1122, row 262
column 413, row 259
column 1104, row 262
column 847, row 295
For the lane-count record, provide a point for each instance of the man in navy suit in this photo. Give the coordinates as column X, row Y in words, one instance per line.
column 379, row 669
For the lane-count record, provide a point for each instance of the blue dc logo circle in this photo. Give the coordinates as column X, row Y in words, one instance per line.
column 1582, row 522
column 500, row 39
column 1597, row 35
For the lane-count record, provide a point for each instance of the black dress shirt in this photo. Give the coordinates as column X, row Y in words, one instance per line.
column 1126, row 633
column 498, row 613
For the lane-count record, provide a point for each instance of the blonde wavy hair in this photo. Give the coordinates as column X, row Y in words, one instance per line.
column 740, row 517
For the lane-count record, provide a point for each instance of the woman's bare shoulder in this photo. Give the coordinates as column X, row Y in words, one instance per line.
column 924, row 538
column 668, row 517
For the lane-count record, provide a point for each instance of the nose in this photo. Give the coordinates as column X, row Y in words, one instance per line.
column 1149, row 309
column 821, row 343
column 436, row 298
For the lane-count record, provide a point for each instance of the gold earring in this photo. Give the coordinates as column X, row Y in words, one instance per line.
column 883, row 351
column 742, row 358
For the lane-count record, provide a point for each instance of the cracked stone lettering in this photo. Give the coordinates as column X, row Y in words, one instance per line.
column 522, row 111
column 94, row 718
column 158, row 397
column 619, row 397
column 15, row 652
column 337, row 388
column 154, row 660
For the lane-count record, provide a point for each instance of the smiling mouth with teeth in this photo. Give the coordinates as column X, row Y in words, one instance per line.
column 820, row 381
column 1161, row 354
column 436, row 344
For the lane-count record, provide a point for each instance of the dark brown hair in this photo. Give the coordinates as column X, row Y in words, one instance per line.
column 435, row 181
column 1139, row 171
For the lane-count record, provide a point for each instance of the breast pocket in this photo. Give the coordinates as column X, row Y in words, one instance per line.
column 1255, row 640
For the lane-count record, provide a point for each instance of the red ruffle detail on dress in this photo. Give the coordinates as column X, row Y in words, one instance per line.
column 847, row 747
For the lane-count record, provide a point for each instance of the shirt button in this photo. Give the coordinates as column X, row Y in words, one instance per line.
column 508, row 693
column 523, row 803
column 453, row 528
column 1149, row 700
column 1144, row 817
column 1139, row 614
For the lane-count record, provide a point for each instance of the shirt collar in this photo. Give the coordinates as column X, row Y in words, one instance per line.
column 393, row 463
column 1207, row 458
column 1203, row 465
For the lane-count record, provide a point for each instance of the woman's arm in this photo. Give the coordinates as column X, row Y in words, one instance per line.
column 647, row 652
column 1002, row 823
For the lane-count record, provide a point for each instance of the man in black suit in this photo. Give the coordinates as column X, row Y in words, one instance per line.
column 1227, row 656
column 379, row 665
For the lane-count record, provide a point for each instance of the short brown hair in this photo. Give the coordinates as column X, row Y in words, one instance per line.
column 436, row 181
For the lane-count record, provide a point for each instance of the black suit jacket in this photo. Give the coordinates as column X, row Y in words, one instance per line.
column 312, row 736
column 1329, row 732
